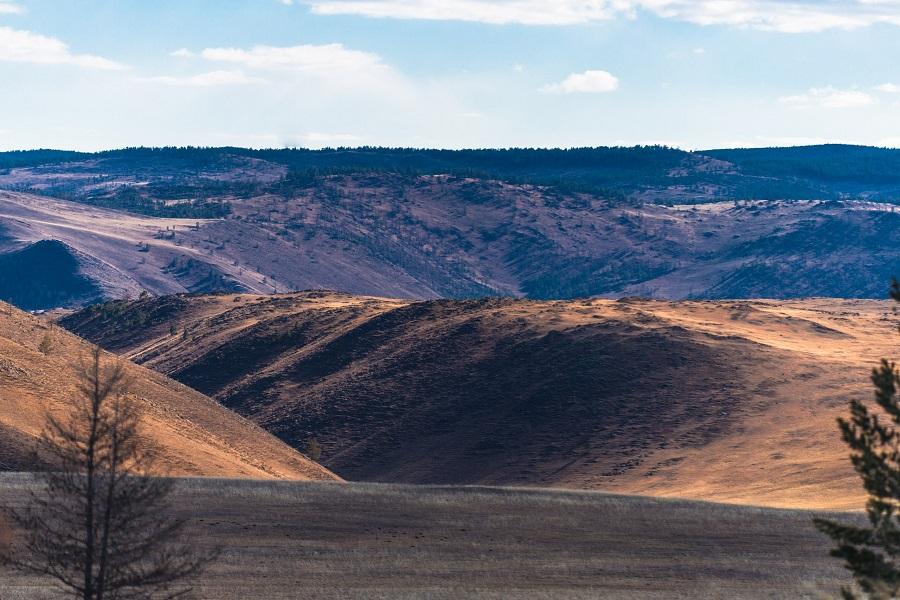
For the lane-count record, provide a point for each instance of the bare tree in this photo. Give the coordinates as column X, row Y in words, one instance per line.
column 101, row 524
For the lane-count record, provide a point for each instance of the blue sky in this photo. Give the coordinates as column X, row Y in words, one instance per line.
column 94, row 74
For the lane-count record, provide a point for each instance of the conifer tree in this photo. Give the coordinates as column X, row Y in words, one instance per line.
column 872, row 552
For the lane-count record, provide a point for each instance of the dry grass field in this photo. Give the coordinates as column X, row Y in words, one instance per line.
column 320, row 541
column 726, row 401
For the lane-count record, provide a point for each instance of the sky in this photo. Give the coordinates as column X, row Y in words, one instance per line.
column 100, row 74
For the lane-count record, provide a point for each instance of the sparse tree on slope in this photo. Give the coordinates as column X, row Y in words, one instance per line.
column 872, row 553
column 100, row 524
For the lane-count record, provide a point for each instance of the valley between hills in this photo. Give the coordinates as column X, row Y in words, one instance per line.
column 728, row 401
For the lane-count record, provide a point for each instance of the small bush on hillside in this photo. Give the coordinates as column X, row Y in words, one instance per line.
column 313, row 449
column 45, row 346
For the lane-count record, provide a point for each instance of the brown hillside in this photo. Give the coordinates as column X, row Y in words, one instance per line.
column 193, row 434
column 731, row 401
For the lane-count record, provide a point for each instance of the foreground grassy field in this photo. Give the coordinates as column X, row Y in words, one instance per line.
column 370, row 541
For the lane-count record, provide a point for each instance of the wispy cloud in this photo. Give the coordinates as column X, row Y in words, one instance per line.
column 211, row 79
column 11, row 8
column 525, row 12
column 888, row 88
column 589, row 82
column 27, row 47
column 790, row 16
column 307, row 57
column 335, row 70
column 829, row 97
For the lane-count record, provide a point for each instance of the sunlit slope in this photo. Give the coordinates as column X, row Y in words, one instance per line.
column 192, row 434
column 731, row 401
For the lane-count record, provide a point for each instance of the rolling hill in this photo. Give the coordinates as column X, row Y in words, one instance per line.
column 437, row 236
column 541, row 224
column 55, row 253
column 730, row 401
column 192, row 434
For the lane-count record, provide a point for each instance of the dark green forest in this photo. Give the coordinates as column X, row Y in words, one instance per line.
column 183, row 182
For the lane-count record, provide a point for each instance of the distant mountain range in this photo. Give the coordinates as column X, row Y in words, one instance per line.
column 162, row 179
column 543, row 224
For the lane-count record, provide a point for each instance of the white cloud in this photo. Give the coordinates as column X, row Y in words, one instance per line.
column 286, row 2
column 28, row 47
column 589, row 82
column 335, row 70
column 525, row 12
column 888, row 88
column 829, row 97
column 182, row 53
column 307, row 58
column 11, row 8
column 211, row 79
column 791, row 16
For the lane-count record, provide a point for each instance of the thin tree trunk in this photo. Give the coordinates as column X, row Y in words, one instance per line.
column 90, row 492
column 110, row 494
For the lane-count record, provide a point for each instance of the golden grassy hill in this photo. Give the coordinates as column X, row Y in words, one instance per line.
column 731, row 401
column 194, row 435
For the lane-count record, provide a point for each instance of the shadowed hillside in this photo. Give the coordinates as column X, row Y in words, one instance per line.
column 192, row 434
column 732, row 401
column 46, row 274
